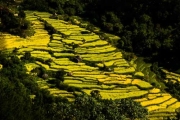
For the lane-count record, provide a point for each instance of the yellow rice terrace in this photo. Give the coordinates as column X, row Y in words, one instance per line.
column 90, row 64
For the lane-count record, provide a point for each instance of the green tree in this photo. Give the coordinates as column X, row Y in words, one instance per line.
column 132, row 109
column 15, row 102
column 21, row 14
column 96, row 94
column 27, row 55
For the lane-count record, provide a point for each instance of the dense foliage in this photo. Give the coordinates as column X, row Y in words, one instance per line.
column 12, row 20
column 173, row 88
column 148, row 28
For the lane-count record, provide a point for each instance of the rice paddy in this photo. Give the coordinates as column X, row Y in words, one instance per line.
column 119, row 95
column 114, row 84
column 141, row 84
column 155, row 90
column 157, row 100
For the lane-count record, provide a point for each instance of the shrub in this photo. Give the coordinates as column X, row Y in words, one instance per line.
column 61, row 85
column 132, row 109
column 71, row 89
column 21, row 14
column 128, row 56
column 49, row 28
column 40, row 71
column 60, row 75
column 45, row 76
column 27, row 55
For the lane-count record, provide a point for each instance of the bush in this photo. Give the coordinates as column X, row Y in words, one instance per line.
column 128, row 56
column 71, row 89
column 61, row 85
column 66, row 17
column 49, row 28
column 27, row 55
column 70, row 11
column 40, row 71
column 21, row 14
column 13, row 24
column 132, row 109
column 60, row 74
column 25, row 25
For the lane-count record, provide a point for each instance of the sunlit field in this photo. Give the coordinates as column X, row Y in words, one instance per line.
column 88, row 74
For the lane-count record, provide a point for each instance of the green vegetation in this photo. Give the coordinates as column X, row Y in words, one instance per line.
column 13, row 20
column 114, row 71
column 71, row 67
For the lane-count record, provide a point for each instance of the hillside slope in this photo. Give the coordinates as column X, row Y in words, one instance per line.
column 115, row 82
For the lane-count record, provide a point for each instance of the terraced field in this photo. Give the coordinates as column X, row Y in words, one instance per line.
column 115, row 83
column 170, row 76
